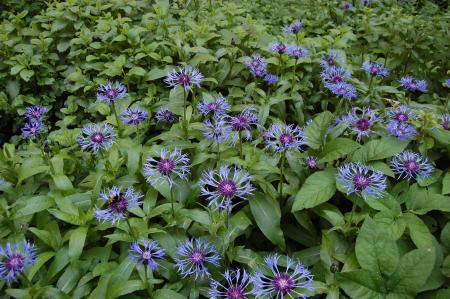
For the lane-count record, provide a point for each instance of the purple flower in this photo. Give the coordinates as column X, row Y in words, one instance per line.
column 134, row 116
column 366, row 2
column 347, row 5
column 194, row 256
column 334, row 58
column 236, row 285
column 94, row 137
column 165, row 116
column 169, row 166
column 447, row 82
column 32, row 129
column 146, row 252
column 294, row 28
column 294, row 282
column 445, row 121
column 401, row 114
column 361, row 180
column 362, row 123
column 35, row 113
column 411, row 165
column 243, row 122
column 282, row 137
column 375, row 69
column 111, row 92
column 117, row 204
column 217, row 107
column 343, row 89
column 222, row 186
column 296, row 51
column 311, row 162
column 256, row 64
column 401, row 130
column 15, row 257
column 278, row 47
column 217, row 129
column 185, row 76
column 271, row 79
column 413, row 85
column 334, row 74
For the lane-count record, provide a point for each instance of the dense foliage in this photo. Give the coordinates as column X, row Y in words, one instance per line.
column 224, row 149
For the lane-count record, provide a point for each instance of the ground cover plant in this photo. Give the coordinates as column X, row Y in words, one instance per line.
column 224, row 149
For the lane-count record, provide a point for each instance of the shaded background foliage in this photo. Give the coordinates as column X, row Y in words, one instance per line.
column 56, row 54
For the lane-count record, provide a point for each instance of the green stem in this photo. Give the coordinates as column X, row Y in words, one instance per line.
column 218, row 153
column 184, row 113
column 370, row 84
column 283, row 158
column 339, row 105
column 351, row 214
column 172, row 197
column 119, row 125
column 279, row 65
column 241, row 155
column 131, row 229
column 137, row 134
column 148, row 273
column 293, row 77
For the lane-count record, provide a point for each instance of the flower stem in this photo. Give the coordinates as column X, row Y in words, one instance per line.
column 283, row 158
column 241, row 155
column 119, row 126
column 351, row 214
column 137, row 134
column 172, row 198
column 370, row 84
column 218, row 153
column 131, row 229
column 293, row 76
column 184, row 113
column 148, row 274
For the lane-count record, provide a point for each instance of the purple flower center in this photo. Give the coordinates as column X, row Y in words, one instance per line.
column 286, row 139
column 213, row 107
column 280, row 48
column 446, row 125
column 361, row 182
column 134, row 116
column 97, row 137
column 235, row 292
column 401, row 117
column 411, row 166
column 166, row 166
column 227, row 188
column 330, row 61
column 336, row 79
column 168, row 115
column 312, row 163
column 36, row 114
column 255, row 63
column 184, row 79
column 111, row 93
column 239, row 122
column 147, row 255
column 283, row 283
column 15, row 263
column 374, row 70
column 197, row 257
column 363, row 124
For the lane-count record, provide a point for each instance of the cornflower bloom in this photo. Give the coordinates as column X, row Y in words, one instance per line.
column 362, row 180
column 282, row 137
column 362, row 123
column 217, row 107
column 217, row 129
column 35, row 113
column 146, row 252
column 294, row 27
column 375, row 69
column 117, row 204
column 185, row 76
column 243, row 122
column 194, row 256
column 32, row 129
column 111, row 92
column 401, row 114
column 413, row 85
column 271, row 79
column 134, row 116
column 165, row 116
column 256, row 64
column 96, row 136
column 445, row 121
column 278, row 47
column 401, row 130
column 411, row 165
column 15, row 257
column 311, row 162
column 236, row 285
column 333, row 58
column 296, row 52
column 169, row 166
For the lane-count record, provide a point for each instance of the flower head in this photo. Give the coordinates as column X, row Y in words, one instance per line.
column 111, row 92
column 236, row 285
column 117, row 204
column 35, row 113
column 32, row 129
column 194, row 256
column 94, row 137
column 169, row 166
column 447, row 82
column 134, row 116
column 343, row 89
column 311, row 162
column 271, row 79
column 217, row 107
column 362, row 180
column 401, row 130
column 185, row 76
column 222, row 186
column 294, row 28
column 347, row 5
column 14, row 258
column 401, row 114
column 243, row 122
column 165, row 116
column 256, row 64
column 413, row 85
column 293, row 282
column 281, row 137
column 361, row 123
column 278, row 47
column 366, row 2
column 411, row 165
column 445, row 121
column 217, row 129
column 296, row 51
column 375, row 69
column 334, row 74
column 146, row 252
column 333, row 58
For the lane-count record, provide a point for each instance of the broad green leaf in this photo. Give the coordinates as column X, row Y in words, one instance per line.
column 316, row 131
column 446, row 184
column 76, row 242
column 336, row 148
column 422, row 200
column 42, row 258
column 418, row 230
column 167, row 294
column 33, row 205
column 68, row 280
column 362, row 284
column 379, row 149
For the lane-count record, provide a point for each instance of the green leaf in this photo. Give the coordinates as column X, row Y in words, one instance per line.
column 33, row 205
column 136, row 71
column 26, row 74
column 267, row 214
column 375, row 250
column 121, row 274
column 167, row 294
column 155, row 74
column 361, row 284
column 318, row 188
column 62, row 182
column 422, row 200
column 379, row 149
column 316, row 131
column 40, row 261
column 336, row 148
column 446, row 184
column 76, row 242
column 418, row 230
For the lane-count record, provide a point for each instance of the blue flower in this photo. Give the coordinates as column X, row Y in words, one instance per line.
column 111, row 92
column 333, row 58
column 117, row 204
column 294, row 28
column 411, row 165
column 401, row 130
column 194, row 256
column 401, row 114
column 361, row 123
column 311, row 162
column 134, row 116
column 375, row 69
column 334, row 74
column 32, row 129
column 15, row 257
column 165, row 116
column 169, row 166
column 362, row 180
column 146, row 252
column 185, row 76
column 445, row 121
column 343, row 89
column 278, row 48
column 366, row 2
column 347, row 5
column 236, row 285
column 243, row 122
column 296, row 51
column 35, row 113
column 282, row 137
column 222, row 186
column 256, row 64
column 96, row 136
column 271, row 79
column 293, row 282
column 447, row 82
column 217, row 129
column 413, row 85
column 217, row 107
